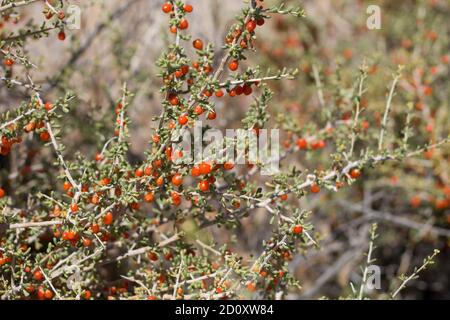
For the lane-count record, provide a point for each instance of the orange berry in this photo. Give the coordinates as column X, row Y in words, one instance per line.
column 298, row 229
column 355, row 173
column 302, row 143
column 183, row 25
column 233, row 65
column 167, row 7
column 315, row 188
column 205, row 168
column 62, row 36
column 182, row 120
column 74, row 207
column 177, row 179
column 188, row 8
column 108, row 218
column 9, row 62
column 198, row 44
column 203, row 186
column 149, row 196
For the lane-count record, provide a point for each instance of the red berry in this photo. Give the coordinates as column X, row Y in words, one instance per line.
column 98, row 157
column 184, row 24
column 251, row 26
column 247, row 89
column 182, row 120
column 48, row 106
column 203, row 186
column 198, row 110
column 298, row 229
column 44, row 136
column 2, row 193
column 302, row 143
column 355, row 173
column 9, row 62
column 233, row 65
column 315, row 188
column 195, row 171
column 205, row 168
column 212, row 115
column 198, row 44
column 149, row 197
column 177, row 179
column 108, row 218
column 228, row 166
column 87, row 294
column 38, row 276
column 95, row 228
column 219, row 93
column 87, row 242
column 74, row 207
column 167, row 7
column 62, row 36
column 188, row 8
column 48, row 294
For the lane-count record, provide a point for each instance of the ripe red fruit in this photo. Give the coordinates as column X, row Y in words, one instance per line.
column 38, row 276
column 203, row 186
column 149, row 196
column 48, row 294
column 320, row 144
column 95, row 228
column 183, row 25
column 62, row 36
column 228, row 166
column 188, row 8
column 44, row 136
column 260, row 21
column 315, row 188
column 355, row 173
column 139, row 173
column 205, row 168
column 98, row 157
column 9, row 62
column 212, row 115
column 233, row 65
column 198, row 110
column 167, row 7
column 87, row 242
column 219, row 93
column 250, row 26
column 87, row 294
column 176, row 199
column 302, row 143
column 173, row 100
column 198, row 44
column 195, row 171
column 182, row 120
column 247, row 89
column 74, row 207
column 177, row 179
column 108, row 218
column 2, row 193
column 298, row 229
